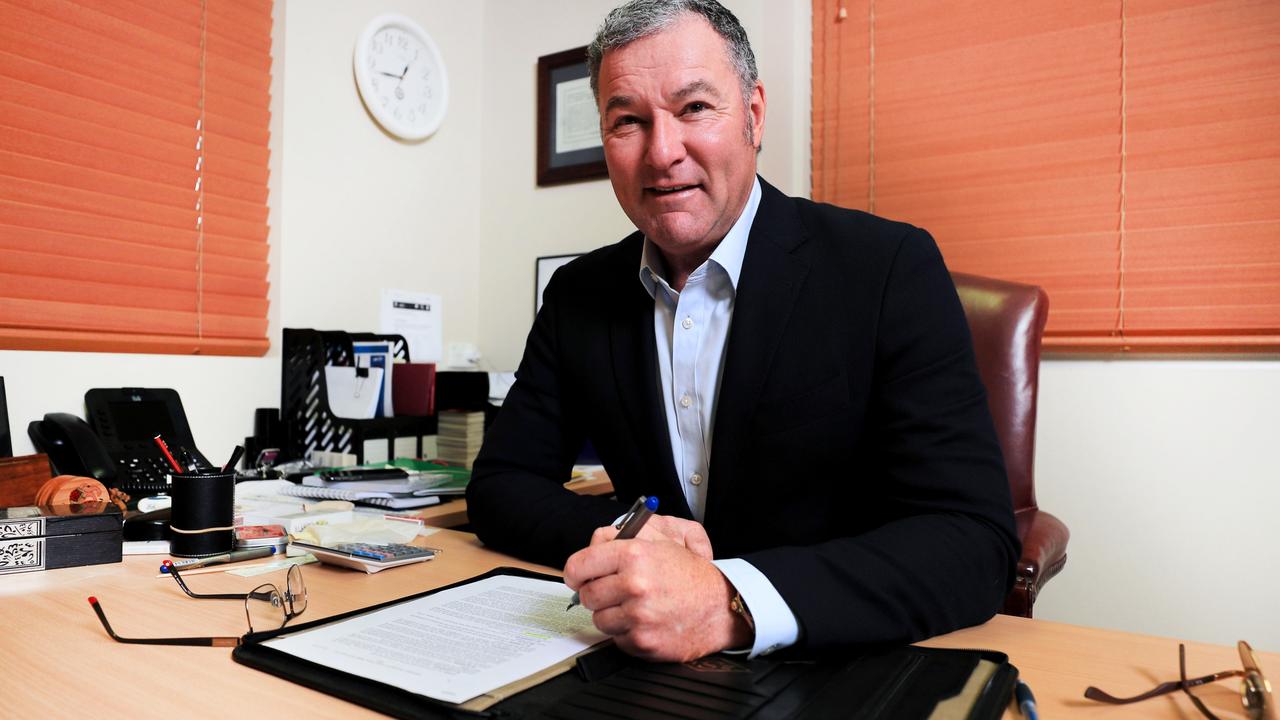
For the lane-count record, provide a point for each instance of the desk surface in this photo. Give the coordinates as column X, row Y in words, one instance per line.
column 58, row 662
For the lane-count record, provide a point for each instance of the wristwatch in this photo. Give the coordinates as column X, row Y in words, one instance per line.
column 740, row 608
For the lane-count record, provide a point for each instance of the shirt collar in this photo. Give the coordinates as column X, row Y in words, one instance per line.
column 728, row 254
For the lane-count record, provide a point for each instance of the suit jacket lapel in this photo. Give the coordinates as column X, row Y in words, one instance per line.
column 773, row 271
column 635, row 368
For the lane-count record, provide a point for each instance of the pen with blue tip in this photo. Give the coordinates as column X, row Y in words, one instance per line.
column 641, row 510
column 1026, row 701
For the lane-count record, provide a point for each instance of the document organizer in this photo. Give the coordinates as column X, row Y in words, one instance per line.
column 307, row 421
column 905, row 683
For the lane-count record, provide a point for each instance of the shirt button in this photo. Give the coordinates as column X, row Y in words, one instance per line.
column 688, row 323
column 685, row 400
column 696, row 479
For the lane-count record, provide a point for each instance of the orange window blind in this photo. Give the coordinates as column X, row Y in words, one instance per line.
column 133, row 175
column 1124, row 155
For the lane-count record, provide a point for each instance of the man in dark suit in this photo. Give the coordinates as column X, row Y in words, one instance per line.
column 795, row 383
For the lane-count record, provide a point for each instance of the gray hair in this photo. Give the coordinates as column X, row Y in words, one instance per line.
column 641, row 18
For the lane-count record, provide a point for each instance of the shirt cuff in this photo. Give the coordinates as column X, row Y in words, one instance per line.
column 776, row 625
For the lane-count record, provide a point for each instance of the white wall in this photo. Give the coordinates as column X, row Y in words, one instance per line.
column 361, row 210
column 1165, row 470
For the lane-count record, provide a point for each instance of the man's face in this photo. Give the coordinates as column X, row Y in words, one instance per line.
column 676, row 136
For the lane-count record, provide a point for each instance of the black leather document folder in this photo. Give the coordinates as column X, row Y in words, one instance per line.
column 905, row 682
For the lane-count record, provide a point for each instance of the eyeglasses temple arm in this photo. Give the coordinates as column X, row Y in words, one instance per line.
column 202, row 596
column 1094, row 693
column 197, row 641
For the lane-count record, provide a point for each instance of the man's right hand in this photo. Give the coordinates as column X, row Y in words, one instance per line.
column 658, row 595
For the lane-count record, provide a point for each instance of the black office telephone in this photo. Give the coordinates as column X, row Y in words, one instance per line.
column 120, row 449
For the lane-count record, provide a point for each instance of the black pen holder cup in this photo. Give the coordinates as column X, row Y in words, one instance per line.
column 202, row 515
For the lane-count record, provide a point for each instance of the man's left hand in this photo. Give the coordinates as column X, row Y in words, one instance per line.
column 658, row 599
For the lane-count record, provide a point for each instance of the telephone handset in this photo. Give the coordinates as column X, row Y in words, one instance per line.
column 72, row 447
column 120, row 447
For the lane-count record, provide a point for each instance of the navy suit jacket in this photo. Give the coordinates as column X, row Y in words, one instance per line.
column 853, row 459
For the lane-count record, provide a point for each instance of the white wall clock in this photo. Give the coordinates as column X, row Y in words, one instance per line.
column 401, row 77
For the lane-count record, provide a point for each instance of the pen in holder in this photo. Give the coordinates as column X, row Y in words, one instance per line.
column 203, row 512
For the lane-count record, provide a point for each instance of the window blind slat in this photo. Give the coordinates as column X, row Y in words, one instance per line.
column 100, row 317
column 170, row 165
column 94, row 116
column 72, row 223
column 87, row 288
column 93, row 19
column 83, row 86
column 118, row 342
column 144, row 266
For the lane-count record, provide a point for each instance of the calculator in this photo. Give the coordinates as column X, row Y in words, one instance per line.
column 369, row 557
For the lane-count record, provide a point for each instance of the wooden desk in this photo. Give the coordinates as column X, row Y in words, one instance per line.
column 453, row 513
column 58, row 662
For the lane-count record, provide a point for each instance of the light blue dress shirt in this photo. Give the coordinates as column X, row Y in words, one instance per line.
column 691, row 328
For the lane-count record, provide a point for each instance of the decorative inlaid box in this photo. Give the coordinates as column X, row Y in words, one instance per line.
column 56, row 536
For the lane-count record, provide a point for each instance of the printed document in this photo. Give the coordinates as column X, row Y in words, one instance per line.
column 455, row 644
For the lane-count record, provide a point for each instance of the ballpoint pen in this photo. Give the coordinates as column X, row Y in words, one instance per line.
column 1026, row 701
column 233, row 556
column 641, row 510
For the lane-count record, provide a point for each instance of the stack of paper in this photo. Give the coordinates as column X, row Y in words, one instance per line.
column 460, row 436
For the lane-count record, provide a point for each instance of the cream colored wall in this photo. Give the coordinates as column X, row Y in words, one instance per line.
column 1167, row 472
column 361, row 210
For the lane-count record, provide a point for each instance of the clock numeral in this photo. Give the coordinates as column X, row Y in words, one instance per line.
column 422, row 108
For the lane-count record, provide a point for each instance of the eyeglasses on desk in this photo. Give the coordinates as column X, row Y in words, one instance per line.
column 1255, row 690
column 265, row 608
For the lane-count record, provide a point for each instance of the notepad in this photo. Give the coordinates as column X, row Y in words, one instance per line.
column 381, row 499
column 457, row 644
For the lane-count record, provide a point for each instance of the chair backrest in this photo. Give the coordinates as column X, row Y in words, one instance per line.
column 1007, row 321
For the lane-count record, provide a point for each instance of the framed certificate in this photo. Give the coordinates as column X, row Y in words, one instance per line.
column 569, row 146
column 543, row 269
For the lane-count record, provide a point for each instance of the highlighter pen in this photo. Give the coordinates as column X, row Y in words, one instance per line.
column 631, row 524
column 1026, row 701
column 234, row 556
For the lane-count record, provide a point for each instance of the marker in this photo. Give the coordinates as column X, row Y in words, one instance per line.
column 168, row 455
column 234, row 556
column 235, row 458
column 641, row 510
column 1026, row 701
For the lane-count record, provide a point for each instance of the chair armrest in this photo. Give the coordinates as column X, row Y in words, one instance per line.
column 1044, row 546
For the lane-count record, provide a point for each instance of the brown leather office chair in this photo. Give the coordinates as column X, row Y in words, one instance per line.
column 1007, row 321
